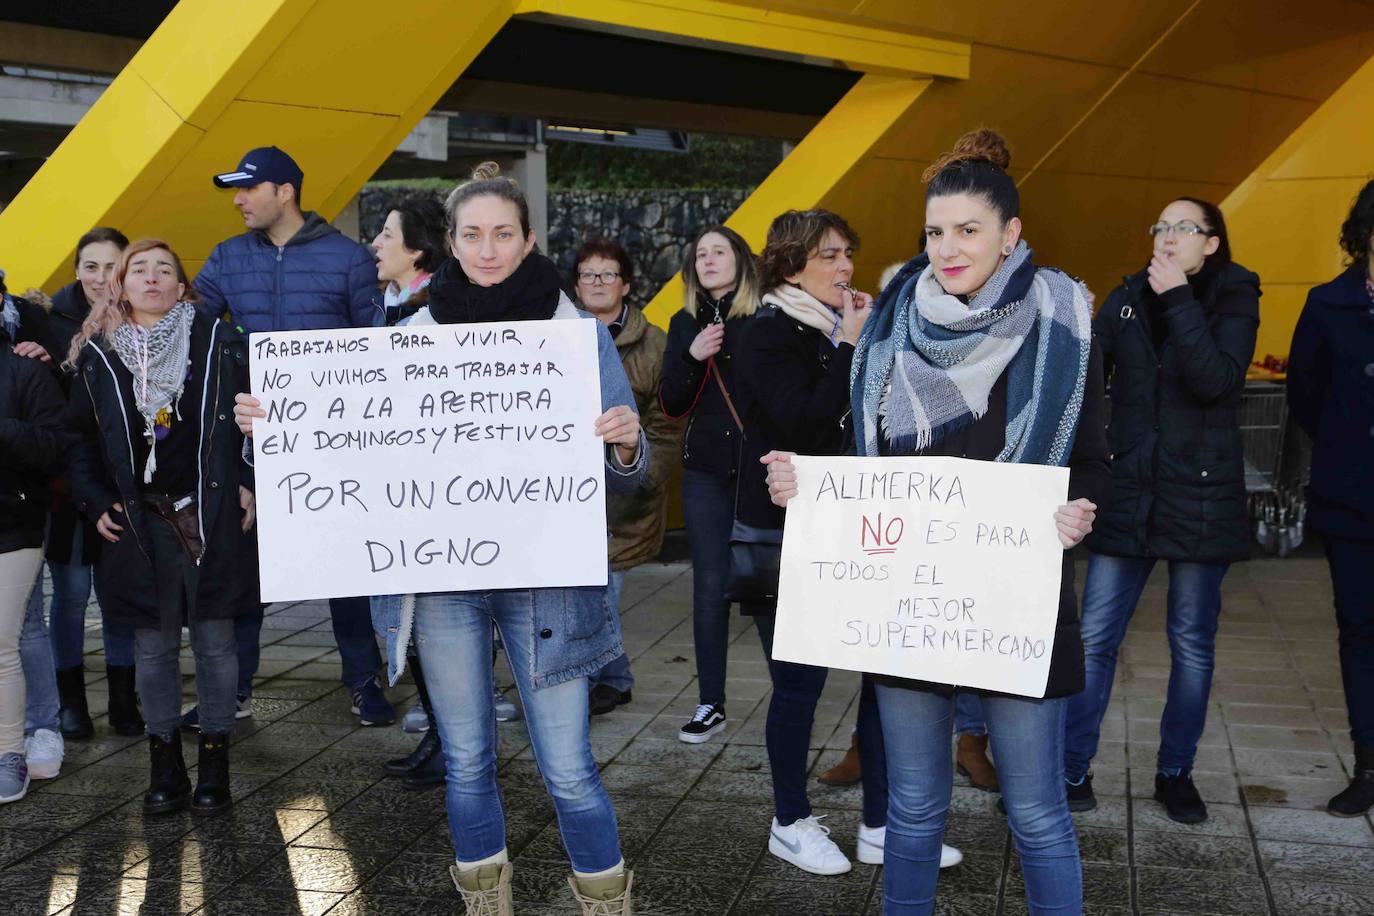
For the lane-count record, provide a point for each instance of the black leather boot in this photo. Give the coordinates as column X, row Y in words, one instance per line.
column 432, row 771
column 169, row 790
column 404, row 766
column 124, row 716
column 74, row 717
column 212, row 776
column 1358, row 797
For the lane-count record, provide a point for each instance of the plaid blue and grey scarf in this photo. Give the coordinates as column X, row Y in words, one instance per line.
column 927, row 362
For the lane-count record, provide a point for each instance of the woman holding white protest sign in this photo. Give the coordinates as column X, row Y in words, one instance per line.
column 554, row 637
column 156, row 465
column 975, row 352
column 793, row 383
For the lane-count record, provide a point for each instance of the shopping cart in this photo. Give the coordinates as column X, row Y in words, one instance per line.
column 1273, row 485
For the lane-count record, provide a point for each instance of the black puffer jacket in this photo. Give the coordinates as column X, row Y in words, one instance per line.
column 103, row 472
column 30, row 446
column 69, row 309
column 1178, row 475
column 711, row 442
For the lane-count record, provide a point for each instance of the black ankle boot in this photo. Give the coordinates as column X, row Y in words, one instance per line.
column 212, row 776
column 432, row 771
column 124, row 715
column 1180, row 797
column 169, row 790
column 427, row 748
column 74, row 717
column 1358, row 797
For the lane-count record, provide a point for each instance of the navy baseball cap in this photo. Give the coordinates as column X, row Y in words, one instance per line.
column 266, row 163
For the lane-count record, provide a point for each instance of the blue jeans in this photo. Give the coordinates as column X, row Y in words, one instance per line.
column 1027, row 737
column 616, row 672
column 791, row 713
column 353, row 634
column 1352, row 582
column 453, row 635
column 158, row 676
column 1110, row 593
column 708, row 509
column 41, row 704
column 71, row 592
column 968, row 715
column 248, row 638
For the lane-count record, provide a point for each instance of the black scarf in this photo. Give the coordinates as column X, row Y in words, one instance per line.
column 529, row 294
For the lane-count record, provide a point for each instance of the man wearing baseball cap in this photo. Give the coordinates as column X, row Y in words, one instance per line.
column 292, row 271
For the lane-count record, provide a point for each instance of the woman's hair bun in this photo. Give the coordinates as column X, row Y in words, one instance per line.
column 486, row 171
column 984, row 143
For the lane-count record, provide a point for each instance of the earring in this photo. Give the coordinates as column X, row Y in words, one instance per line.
column 1006, row 249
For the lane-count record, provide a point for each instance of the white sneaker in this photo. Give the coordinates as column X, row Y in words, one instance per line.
column 44, row 750
column 506, row 710
column 869, row 849
column 807, row 845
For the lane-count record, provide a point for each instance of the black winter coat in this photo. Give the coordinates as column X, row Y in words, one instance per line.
column 69, row 309
column 30, row 446
column 1331, row 394
column 1178, row 470
column 793, row 387
column 711, row 442
column 103, row 472
column 34, row 326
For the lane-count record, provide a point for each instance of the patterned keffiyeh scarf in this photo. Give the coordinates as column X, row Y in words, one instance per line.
column 157, row 357
column 927, row 362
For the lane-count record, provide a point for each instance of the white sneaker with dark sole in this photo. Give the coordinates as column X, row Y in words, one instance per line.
column 706, row 721
column 806, row 844
column 869, row 848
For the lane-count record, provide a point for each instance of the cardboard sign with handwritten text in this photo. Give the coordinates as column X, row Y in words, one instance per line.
column 937, row 569
column 429, row 459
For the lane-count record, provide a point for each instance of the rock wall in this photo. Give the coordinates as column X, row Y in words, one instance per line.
column 654, row 225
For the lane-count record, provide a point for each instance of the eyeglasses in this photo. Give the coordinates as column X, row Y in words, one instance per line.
column 606, row 276
column 1184, row 228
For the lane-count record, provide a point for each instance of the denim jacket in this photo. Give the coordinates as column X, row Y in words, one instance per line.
column 583, row 629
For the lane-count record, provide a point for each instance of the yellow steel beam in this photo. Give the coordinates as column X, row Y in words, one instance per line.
column 217, row 79
column 744, row 27
column 844, row 136
column 1284, row 219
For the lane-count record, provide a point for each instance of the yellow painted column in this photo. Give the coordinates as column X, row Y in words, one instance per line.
column 336, row 83
column 833, row 147
column 1285, row 218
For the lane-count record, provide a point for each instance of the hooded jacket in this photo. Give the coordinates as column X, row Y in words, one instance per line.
column 316, row 281
column 103, row 472
column 1178, row 466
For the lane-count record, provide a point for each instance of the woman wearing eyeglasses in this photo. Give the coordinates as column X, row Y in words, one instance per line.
column 1176, row 341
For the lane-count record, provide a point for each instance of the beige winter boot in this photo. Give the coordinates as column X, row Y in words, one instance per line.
column 603, row 896
column 485, row 890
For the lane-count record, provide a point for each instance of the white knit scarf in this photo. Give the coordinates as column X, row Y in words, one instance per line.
column 797, row 303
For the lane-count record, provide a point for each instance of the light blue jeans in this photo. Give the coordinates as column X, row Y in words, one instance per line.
column 968, row 715
column 1027, row 738
column 616, row 673
column 41, row 704
column 454, row 639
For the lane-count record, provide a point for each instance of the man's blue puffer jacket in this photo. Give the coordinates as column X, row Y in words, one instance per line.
column 316, row 281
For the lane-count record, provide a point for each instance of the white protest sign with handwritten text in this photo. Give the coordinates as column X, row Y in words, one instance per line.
column 937, row 569
column 428, row 459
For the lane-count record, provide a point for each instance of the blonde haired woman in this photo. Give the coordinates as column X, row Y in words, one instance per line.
column 720, row 289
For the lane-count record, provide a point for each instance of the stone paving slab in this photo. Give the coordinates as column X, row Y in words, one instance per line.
column 315, row 829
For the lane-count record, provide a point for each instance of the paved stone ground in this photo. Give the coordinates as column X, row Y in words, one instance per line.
column 314, row 828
